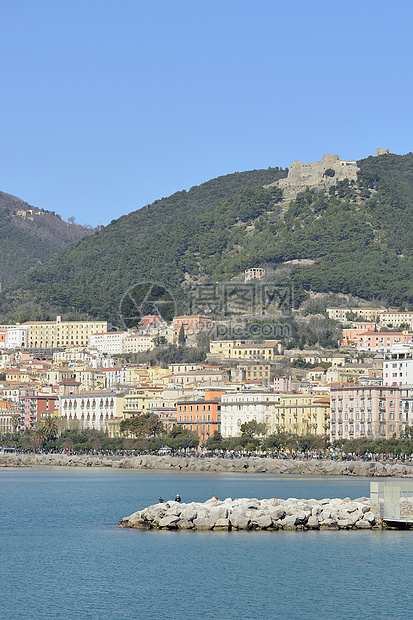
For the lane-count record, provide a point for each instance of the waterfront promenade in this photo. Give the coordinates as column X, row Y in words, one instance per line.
column 316, row 467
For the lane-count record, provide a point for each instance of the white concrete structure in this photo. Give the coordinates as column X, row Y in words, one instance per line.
column 114, row 376
column 110, row 343
column 241, row 407
column 138, row 343
column 90, row 409
column 398, row 366
column 16, row 338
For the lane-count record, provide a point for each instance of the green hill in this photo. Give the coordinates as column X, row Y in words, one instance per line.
column 354, row 238
column 30, row 237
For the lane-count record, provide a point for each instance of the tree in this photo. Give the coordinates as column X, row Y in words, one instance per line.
column 215, row 442
column 181, row 438
column 159, row 341
column 38, row 436
column 15, row 421
column 253, row 428
column 144, row 425
column 50, row 429
column 181, row 336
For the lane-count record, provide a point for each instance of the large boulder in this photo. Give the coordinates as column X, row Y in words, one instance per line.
column 203, row 523
column 170, row 522
column 313, row 523
column 239, row 522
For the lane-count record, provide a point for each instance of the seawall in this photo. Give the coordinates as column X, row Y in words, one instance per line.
column 253, row 514
column 235, row 465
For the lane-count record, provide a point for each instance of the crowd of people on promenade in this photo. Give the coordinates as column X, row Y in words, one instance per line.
column 298, row 456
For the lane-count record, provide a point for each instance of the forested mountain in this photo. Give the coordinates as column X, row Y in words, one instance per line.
column 30, row 237
column 355, row 237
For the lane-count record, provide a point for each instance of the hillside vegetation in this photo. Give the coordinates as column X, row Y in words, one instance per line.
column 26, row 243
column 355, row 238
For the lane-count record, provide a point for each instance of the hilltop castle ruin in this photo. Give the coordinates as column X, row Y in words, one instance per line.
column 325, row 172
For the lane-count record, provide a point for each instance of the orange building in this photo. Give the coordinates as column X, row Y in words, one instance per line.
column 202, row 416
column 192, row 324
column 150, row 319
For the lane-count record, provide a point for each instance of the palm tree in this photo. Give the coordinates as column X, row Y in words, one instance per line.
column 50, row 429
column 38, row 436
column 15, row 421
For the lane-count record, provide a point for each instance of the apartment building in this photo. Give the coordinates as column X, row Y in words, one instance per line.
column 59, row 334
column 252, row 370
column 366, row 314
column 306, row 413
column 110, row 343
column 6, row 413
column 394, row 318
column 202, row 415
column 37, row 406
column 398, row 366
column 382, row 342
column 138, row 343
column 299, row 413
column 192, row 324
column 350, row 335
column 91, row 409
column 369, row 411
column 16, row 338
column 268, row 351
column 241, row 407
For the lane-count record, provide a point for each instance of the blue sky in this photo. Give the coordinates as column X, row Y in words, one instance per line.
column 106, row 105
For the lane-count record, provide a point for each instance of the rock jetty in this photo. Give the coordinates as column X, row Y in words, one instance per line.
column 254, row 514
column 253, row 465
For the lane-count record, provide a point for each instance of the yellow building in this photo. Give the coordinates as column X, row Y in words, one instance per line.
column 244, row 349
column 55, row 334
column 20, row 376
column 303, row 413
column 268, row 351
column 252, row 370
column 136, row 401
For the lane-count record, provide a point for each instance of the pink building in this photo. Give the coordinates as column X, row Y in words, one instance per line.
column 36, row 407
column 282, row 384
column 350, row 335
column 369, row 411
column 382, row 342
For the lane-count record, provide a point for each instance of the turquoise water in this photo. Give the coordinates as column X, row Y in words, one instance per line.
column 63, row 556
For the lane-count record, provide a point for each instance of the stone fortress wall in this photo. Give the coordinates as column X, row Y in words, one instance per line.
column 302, row 174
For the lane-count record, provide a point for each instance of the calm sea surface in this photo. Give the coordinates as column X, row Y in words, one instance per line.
column 63, row 556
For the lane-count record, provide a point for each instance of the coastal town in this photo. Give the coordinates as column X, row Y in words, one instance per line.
column 82, row 374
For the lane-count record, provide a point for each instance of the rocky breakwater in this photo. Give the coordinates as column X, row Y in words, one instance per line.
column 253, row 465
column 253, row 514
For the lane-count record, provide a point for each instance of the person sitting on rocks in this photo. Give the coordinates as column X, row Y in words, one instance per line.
column 160, row 500
column 178, row 498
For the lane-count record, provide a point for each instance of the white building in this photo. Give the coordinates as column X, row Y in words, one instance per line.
column 16, row 337
column 398, row 366
column 110, row 343
column 90, row 409
column 114, row 377
column 137, row 343
column 241, row 407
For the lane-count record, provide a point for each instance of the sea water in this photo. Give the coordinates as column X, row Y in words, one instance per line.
column 63, row 555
